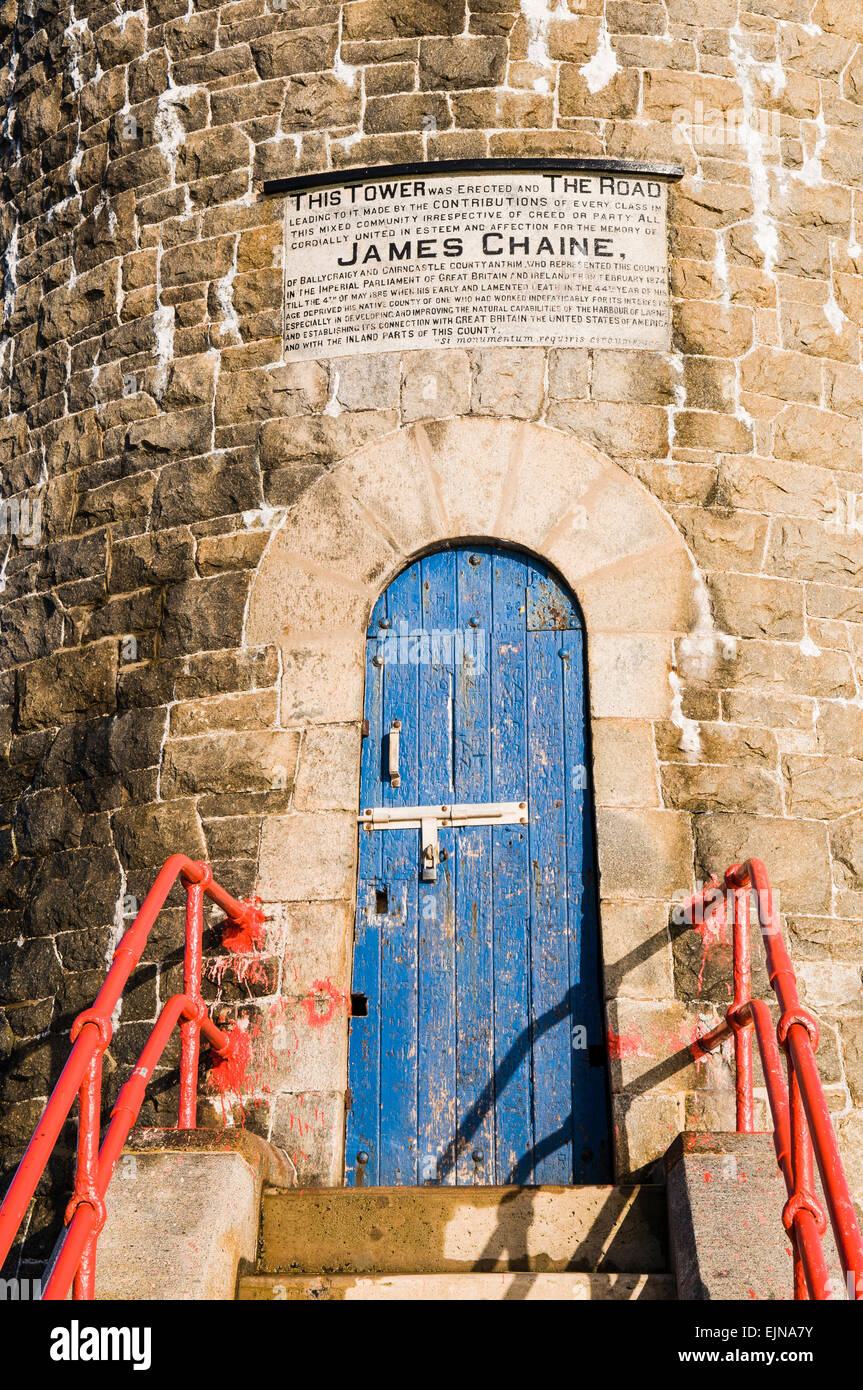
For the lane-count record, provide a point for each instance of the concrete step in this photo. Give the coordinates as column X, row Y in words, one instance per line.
column 460, row 1230
column 455, row 1287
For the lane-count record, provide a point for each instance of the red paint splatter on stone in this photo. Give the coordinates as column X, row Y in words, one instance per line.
column 247, row 970
column 324, row 1002
column 707, row 913
column 624, row 1045
column 228, row 1074
column 251, row 936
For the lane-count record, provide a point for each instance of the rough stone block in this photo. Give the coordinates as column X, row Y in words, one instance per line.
column 248, row 761
column 644, row 854
column 435, row 384
column 508, row 381
column 183, row 1211
column 795, row 852
column 629, row 676
column 328, row 775
column 67, row 686
column 636, row 950
column 292, row 866
column 310, row 1127
column 625, row 772
column 725, row 1198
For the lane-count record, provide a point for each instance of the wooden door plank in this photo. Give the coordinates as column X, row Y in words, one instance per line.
column 398, row 1033
column 474, row 952
column 436, row 986
column 399, row 870
column 549, row 944
column 512, row 1041
column 362, row 1122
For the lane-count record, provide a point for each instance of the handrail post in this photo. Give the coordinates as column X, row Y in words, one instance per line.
column 86, row 1172
column 811, row 1278
column 190, row 1029
column 742, row 995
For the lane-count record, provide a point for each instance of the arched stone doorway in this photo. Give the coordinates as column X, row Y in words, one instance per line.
column 531, row 487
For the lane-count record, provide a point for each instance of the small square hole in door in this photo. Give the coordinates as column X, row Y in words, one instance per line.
column 359, row 1006
column 382, row 901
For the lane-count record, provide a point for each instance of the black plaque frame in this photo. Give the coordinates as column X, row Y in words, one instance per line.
column 429, row 168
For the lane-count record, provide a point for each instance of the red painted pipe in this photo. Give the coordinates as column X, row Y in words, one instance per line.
column 190, row 1034
column 801, row 1117
column 87, row 1218
column 798, row 1041
column 742, row 1033
column 89, row 1118
column 91, row 1035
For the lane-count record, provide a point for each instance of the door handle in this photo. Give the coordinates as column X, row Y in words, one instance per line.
column 393, row 753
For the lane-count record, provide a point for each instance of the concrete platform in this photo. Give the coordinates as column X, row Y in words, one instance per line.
column 457, row 1287
column 183, row 1212
column 460, row 1230
column 725, row 1201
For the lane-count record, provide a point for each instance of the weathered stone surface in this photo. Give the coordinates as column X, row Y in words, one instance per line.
column 73, row 892
column 155, row 559
column 508, row 381
column 823, row 788
column 847, row 848
column 435, row 384
column 819, row 437
column 840, row 729
column 640, row 431
column 68, row 686
column 715, row 1253
column 713, row 331
column 568, row 373
column 144, row 401
column 459, row 1230
column 309, row 50
column 147, row 835
column 214, row 486
column 461, row 62
column 647, row 855
column 624, row 767
column 328, row 772
column 234, row 762
column 291, row 848
column 388, row 19
column 702, row 789
column 367, row 383
column 748, row 606
column 320, row 99
column 210, row 1185
column 796, row 851
column 29, row 971
column 202, row 614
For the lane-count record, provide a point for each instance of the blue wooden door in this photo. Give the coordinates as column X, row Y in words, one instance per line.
column 476, row 1037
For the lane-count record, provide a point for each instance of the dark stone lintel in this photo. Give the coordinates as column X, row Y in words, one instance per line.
column 433, row 168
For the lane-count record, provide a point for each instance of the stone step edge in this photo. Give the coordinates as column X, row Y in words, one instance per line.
column 471, row 1287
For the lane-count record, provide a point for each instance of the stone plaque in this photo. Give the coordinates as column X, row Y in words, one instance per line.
column 476, row 259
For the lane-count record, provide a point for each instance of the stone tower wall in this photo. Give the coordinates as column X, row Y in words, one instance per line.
column 149, row 427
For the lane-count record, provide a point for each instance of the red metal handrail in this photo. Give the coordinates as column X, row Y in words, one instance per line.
column 799, row 1108
column 82, row 1074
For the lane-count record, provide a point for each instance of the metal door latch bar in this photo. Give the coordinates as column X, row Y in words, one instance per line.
column 430, row 819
